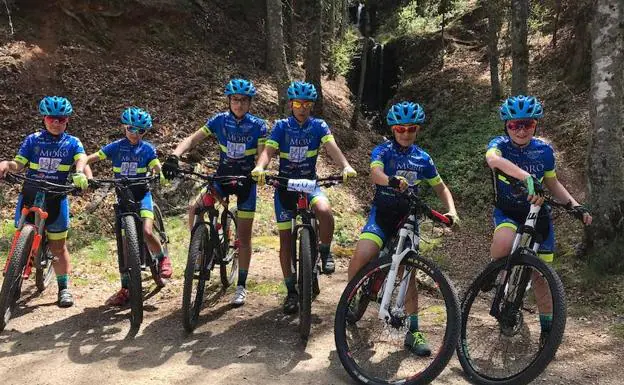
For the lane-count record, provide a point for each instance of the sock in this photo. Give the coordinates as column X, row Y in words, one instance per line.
column 546, row 322
column 63, row 281
column 290, row 283
column 125, row 280
column 324, row 249
column 413, row 323
column 242, row 277
column 160, row 255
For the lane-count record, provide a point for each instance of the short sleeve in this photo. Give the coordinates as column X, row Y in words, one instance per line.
column 493, row 147
column 262, row 135
column 325, row 132
column 377, row 157
column 24, row 153
column 276, row 135
column 549, row 163
column 108, row 151
column 431, row 173
column 78, row 149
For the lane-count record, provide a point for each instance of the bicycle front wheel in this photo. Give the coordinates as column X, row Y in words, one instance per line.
column 304, row 282
column 196, row 274
column 12, row 284
column 511, row 349
column 373, row 350
column 132, row 260
column 229, row 244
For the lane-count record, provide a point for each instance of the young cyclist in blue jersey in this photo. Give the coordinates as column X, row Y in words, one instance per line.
column 523, row 156
column 240, row 136
column 49, row 155
column 398, row 165
column 297, row 139
column 133, row 157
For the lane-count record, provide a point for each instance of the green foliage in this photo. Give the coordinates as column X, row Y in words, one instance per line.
column 342, row 50
column 540, row 15
column 457, row 140
column 421, row 17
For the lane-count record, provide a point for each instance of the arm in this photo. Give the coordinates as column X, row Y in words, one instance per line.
column 335, row 153
column 265, row 156
column 562, row 195
column 495, row 161
column 190, row 142
column 444, row 194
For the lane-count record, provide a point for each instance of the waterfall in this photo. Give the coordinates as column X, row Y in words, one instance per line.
column 359, row 15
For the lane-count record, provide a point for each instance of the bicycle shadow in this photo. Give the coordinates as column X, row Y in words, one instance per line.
column 101, row 333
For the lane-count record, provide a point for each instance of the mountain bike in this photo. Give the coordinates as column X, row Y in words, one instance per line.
column 213, row 243
column 372, row 319
column 306, row 259
column 29, row 246
column 132, row 252
column 501, row 340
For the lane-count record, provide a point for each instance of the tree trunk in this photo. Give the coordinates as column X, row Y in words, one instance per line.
column 519, row 47
column 605, row 237
column 494, row 27
column 442, row 10
column 556, row 27
column 363, row 64
column 289, row 16
column 344, row 18
column 314, row 54
column 331, row 69
column 579, row 61
column 276, row 54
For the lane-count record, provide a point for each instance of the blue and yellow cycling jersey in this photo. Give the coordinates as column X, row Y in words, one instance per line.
column 537, row 158
column 49, row 157
column 412, row 163
column 130, row 161
column 298, row 145
column 238, row 141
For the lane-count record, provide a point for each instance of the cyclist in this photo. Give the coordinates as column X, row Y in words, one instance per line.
column 240, row 136
column 133, row 157
column 521, row 155
column 297, row 139
column 49, row 155
column 398, row 165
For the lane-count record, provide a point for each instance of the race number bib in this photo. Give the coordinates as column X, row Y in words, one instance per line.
column 235, row 150
column 411, row 176
column 128, row 168
column 302, row 185
column 297, row 154
column 49, row 165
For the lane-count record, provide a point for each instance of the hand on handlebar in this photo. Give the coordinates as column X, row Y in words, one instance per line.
column 348, row 172
column 171, row 167
column 259, row 175
column 80, row 181
column 535, row 190
column 455, row 221
column 398, row 183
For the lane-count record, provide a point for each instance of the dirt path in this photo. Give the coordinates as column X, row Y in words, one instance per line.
column 255, row 344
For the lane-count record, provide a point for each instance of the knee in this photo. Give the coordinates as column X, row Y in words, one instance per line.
column 58, row 249
column 148, row 232
column 323, row 209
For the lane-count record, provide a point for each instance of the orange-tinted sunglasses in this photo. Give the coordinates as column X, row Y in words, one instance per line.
column 61, row 119
column 400, row 128
column 298, row 104
column 528, row 124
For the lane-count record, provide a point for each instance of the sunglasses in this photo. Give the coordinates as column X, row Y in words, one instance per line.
column 136, row 130
column 400, row 129
column 298, row 104
column 60, row 119
column 240, row 100
column 515, row 125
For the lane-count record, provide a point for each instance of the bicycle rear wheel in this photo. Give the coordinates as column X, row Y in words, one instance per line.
column 304, row 282
column 132, row 260
column 372, row 350
column 161, row 235
column 229, row 265
column 196, row 274
column 508, row 350
column 12, row 284
column 44, row 271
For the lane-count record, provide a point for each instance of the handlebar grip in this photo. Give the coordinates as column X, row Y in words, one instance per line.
column 441, row 218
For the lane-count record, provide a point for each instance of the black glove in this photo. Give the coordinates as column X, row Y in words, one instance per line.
column 171, row 167
column 579, row 211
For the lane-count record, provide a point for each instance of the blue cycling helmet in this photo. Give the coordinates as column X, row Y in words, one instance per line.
column 240, row 87
column 136, row 117
column 302, row 90
column 405, row 113
column 55, row 106
column 521, row 107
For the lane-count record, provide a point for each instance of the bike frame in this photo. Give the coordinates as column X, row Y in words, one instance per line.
column 405, row 233
column 38, row 208
column 208, row 200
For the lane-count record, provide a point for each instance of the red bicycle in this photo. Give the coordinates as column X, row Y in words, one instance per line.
column 29, row 246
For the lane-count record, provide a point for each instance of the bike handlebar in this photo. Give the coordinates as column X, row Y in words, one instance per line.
column 423, row 208
column 283, row 182
column 209, row 178
column 124, row 182
column 44, row 185
column 518, row 185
